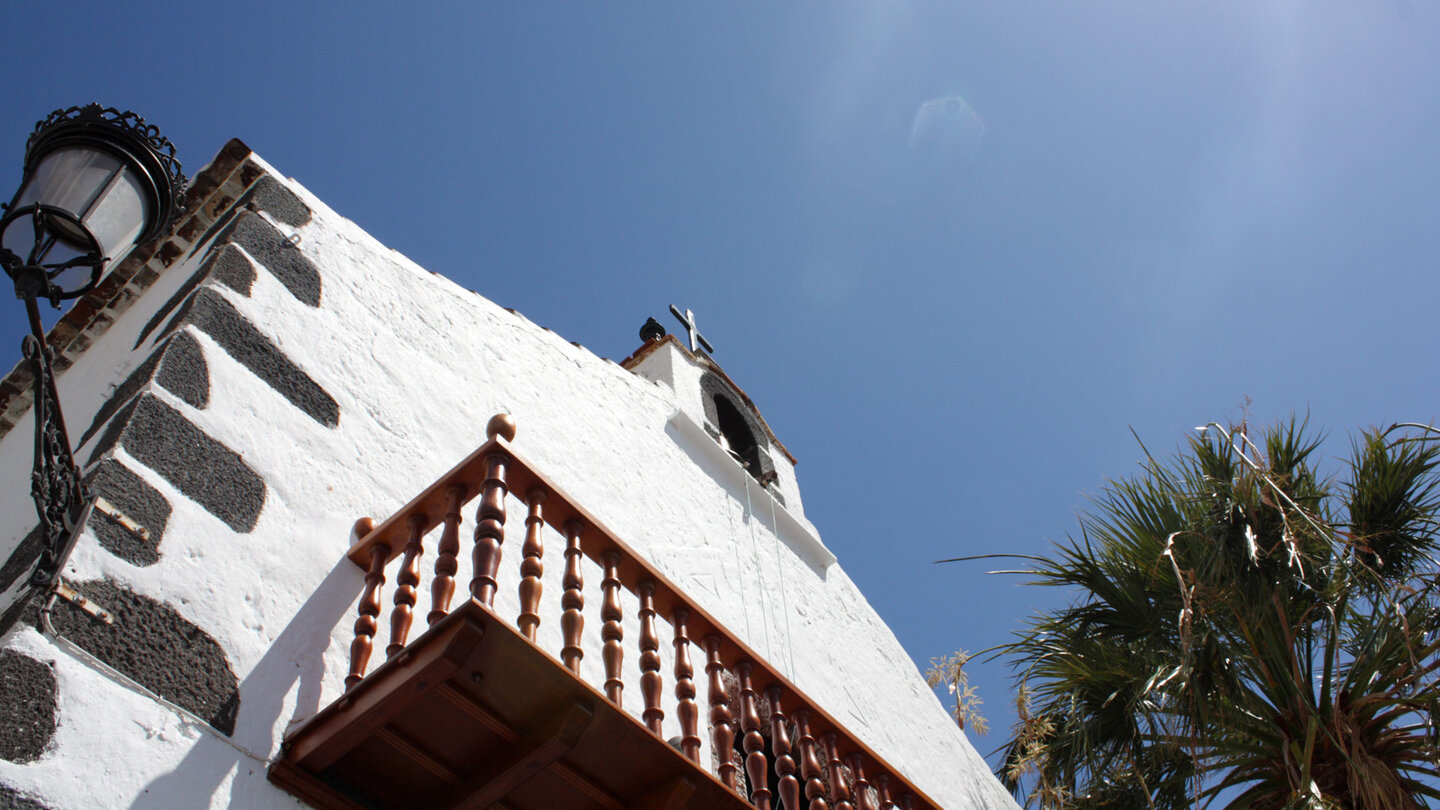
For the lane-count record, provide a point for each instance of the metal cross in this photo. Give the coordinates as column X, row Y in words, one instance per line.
column 688, row 321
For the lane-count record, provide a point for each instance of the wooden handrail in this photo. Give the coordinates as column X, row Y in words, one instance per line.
column 494, row 470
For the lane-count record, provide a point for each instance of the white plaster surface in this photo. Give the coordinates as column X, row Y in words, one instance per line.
column 418, row 365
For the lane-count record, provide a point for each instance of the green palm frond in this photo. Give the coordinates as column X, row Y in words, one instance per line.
column 1242, row 630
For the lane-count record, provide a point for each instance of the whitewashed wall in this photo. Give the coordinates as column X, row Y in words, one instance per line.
column 417, row 366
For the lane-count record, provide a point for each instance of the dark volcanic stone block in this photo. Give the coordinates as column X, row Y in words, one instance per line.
column 115, row 483
column 273, row 251
column 268, row 195
column 272, row 197
column 27, row 707
column 228, row 265
column 12, row 799
column 158, row 648
column 232, row 269
column 211, row 313
column 182, row 370
column 20, row 564
column 207, row 471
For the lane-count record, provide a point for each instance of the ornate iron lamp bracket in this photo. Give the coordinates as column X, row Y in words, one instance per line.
column 97, row 181
column 61, row 500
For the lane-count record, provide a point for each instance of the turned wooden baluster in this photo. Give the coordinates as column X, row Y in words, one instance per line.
column 531, row 566
column 839, row 791
column 406, row 581
column 722, row 732
column 650, row 681
column 753, row 742
column 788, row 787
column 809, row 762
column 907, row 801
column 489, row 530
column 610, row 630
column 572, row 601
column 862, row 785
column 685, row 709
column 882, row 785
column 369, row 609
column 442, row 588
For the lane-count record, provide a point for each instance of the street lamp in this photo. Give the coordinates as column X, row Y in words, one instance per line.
column 97, row 181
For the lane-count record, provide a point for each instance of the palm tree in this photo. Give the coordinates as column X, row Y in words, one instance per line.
column 1244, row 632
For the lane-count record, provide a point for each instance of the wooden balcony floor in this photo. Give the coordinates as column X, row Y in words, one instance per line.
column 472, row 715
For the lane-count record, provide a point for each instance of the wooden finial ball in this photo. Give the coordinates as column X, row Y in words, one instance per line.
column 503, row 425
column 362, row 527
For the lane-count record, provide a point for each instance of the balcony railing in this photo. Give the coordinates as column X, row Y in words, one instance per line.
column 474, row 713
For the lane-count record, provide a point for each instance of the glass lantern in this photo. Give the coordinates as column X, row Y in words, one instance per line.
column 97, row 181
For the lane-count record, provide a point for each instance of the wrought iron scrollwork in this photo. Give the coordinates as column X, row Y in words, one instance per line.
column 61, row 500
column 127, row 136
column 34, row 279
column 55, row 482
column 131, row 125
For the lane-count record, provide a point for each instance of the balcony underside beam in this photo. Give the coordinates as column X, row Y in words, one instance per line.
column 522, row 763
column 473, row 715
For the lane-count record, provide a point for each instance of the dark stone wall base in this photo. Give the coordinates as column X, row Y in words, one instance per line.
column 12, row 799
column 28, row 703
column 157, row 647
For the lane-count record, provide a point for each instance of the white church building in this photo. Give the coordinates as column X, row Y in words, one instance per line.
column 370, row 540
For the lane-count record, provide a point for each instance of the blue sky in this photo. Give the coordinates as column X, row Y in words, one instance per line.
column 1173, row 209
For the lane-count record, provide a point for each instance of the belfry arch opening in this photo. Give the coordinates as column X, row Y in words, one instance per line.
column 737, row 437
column 732, row 422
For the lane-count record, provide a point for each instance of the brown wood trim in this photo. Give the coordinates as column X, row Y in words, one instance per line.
column 375, row 701
column 632, row 569
column 537, row 752
column 586, row 785
column 514, row 762
column 478, row 713
column 671, row 795
column 308, row 788
column 412, row 751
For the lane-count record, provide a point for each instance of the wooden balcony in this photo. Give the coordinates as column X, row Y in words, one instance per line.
column 473, row 713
